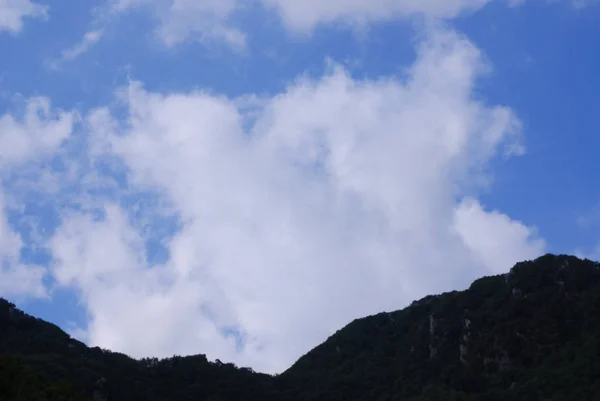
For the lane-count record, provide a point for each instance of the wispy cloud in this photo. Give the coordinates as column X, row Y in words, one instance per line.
column 190, row 20
column 581, row 4
column 88, row 41
column 589, row 219
column 210, row 20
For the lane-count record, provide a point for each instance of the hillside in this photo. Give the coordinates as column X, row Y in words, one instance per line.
column 532, row 334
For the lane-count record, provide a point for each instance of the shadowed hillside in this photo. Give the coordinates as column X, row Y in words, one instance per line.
column 532, row 334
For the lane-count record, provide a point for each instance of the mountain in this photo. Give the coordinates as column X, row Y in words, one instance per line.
column 531, row 334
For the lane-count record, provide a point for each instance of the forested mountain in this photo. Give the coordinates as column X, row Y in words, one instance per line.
column 531, row 334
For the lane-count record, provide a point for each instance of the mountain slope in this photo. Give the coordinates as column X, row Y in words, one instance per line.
column 532, row 334
column 114, row 376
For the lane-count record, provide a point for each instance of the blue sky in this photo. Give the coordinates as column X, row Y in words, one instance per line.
column 243, row 179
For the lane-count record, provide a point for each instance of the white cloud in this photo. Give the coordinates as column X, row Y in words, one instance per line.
column 473, row 224
column 106, row 259
column 88, row 40
column 13, row 12
column 183, row 20
column 335, row 199
column 210, row 20
column 36, row 134
column 16, row 278
column 39, row 132
column 303, row 15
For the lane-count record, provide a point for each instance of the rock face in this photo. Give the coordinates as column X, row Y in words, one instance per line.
column 532, row 334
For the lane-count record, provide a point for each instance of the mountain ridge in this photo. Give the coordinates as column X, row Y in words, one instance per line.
column 530, row 334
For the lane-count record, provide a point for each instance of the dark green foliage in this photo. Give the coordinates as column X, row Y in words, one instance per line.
column 19, row 382
column 533, row 334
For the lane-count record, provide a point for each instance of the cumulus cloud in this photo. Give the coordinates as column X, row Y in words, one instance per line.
column 13, row 12
column 106, row 259
column 294, row 214
column 34, row 135
column 38, row 132
column 472, row 223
